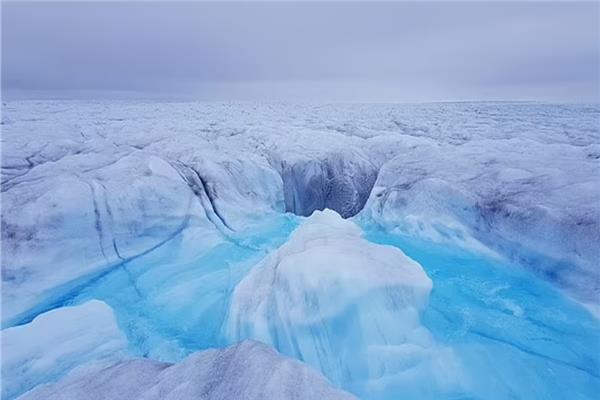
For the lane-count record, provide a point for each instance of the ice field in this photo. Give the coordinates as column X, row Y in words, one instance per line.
column 425, row 251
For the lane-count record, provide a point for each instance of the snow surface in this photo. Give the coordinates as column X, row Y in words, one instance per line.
column 249, row 370
column 56, row 342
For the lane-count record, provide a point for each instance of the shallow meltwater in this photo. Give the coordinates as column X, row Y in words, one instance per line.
column 515, row 336
column 173, row 301
column 488, row 330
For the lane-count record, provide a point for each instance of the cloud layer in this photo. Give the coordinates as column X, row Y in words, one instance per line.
column 357, row 51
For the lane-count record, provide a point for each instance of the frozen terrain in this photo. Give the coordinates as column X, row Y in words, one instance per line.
column 467, row 265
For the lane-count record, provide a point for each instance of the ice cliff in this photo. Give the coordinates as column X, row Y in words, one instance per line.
column 58, row 341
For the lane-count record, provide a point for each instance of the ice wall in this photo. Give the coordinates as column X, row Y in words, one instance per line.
column 340, row 182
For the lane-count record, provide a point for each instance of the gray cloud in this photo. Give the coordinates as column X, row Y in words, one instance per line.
column 357, row 51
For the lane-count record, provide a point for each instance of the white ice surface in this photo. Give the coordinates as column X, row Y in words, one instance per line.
column 249, row 370
column 58, row 341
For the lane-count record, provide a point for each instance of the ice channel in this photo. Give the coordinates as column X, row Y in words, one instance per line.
column 409, row 319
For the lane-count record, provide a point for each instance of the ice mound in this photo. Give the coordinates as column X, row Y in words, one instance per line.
column 249, row 370
column 340, row 303
column 56, row 342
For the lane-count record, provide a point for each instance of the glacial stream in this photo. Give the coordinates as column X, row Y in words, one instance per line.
column 503, row 332
column 516, row 336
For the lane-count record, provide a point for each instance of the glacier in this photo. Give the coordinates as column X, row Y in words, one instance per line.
column 172, row 213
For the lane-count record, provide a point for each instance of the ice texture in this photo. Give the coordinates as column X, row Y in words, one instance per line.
column 249, row 370
column 342, row 304
column 58, row 341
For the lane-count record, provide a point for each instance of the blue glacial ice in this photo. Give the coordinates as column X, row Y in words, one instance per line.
column 515, row 336
column 468, row 267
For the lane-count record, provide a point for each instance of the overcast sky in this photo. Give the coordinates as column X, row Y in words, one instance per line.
column 402, row 51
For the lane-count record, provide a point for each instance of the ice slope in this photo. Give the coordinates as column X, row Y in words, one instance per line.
column 174, row 300
column 58, row 341
column 249, row 370
column 495, row 199
column 343, row 305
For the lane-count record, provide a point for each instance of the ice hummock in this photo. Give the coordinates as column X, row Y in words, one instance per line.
column 342, row 304
column 249, row 370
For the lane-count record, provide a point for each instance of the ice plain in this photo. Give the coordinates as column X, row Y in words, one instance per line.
column 165, row 210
